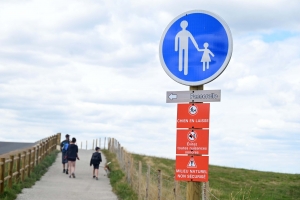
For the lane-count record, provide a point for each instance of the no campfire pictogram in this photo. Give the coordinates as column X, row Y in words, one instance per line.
column 192, row 163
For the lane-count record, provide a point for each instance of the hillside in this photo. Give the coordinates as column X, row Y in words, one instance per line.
column 232, row 183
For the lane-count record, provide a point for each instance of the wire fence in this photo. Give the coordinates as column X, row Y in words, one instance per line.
column 150, row 183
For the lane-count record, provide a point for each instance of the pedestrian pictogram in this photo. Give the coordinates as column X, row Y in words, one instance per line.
column 193, row 109
column 192, row 136
column 195, row 47
column 192, row 163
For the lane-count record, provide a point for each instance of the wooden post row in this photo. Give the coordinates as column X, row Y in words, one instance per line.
column 2, row 174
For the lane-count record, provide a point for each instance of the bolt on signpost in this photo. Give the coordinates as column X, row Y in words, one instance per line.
column 195, row 49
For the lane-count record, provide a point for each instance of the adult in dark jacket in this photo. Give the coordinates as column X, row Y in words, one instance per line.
column 63, row 148
column 72, row 155
column 96, row 159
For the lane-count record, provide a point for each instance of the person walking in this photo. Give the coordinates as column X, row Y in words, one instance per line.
column 72, row 155
column 63, row 148
column 96, row 159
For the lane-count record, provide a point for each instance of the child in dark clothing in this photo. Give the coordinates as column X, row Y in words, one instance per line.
column 95, row 161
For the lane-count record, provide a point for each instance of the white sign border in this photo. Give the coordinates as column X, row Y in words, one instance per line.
column 222, row 68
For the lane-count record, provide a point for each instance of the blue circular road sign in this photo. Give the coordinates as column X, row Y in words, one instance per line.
column 195, row 48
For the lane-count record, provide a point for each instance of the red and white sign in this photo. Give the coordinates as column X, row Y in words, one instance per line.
column 192, row 141
column 191, row 168
column 193, row 115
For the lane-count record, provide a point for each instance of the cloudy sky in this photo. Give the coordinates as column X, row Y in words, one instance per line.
column 91, row 69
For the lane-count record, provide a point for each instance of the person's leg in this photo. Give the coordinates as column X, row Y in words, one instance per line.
column 73, row 168
column 63, row 162
column 69, row 167
column 67, row 170
column 207, row 65
column 94, row 172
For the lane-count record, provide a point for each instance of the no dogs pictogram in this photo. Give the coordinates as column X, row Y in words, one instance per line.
column 193, row 109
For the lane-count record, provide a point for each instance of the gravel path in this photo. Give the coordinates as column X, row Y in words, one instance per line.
column 55, row 185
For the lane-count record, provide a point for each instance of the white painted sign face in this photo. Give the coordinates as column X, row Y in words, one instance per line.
column 195, row 48
column 193, row 96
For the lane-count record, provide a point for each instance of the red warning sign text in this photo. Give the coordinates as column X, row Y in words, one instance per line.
column 191, row 168
column 194, row 115
column 192, row 141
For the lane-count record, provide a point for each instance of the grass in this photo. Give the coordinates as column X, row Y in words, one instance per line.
column 36, row 174
column 117, row 179
column 233, row 184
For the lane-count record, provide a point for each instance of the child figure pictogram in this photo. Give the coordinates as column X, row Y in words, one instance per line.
column 206, row 56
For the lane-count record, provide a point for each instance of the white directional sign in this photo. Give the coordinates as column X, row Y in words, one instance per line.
column 193, row 96
column 195, row 48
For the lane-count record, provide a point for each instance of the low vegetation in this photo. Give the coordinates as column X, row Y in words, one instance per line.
column 36, row 174
column 117, row 179
column 233, row 184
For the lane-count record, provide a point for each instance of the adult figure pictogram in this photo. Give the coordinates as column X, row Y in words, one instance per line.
column 182, row 44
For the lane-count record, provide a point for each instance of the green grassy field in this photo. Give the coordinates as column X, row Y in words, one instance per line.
column 232, row 183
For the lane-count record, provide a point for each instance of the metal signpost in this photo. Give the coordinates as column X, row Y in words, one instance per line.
column 195, row 49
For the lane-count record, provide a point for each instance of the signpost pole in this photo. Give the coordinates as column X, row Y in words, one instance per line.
column 193, row 189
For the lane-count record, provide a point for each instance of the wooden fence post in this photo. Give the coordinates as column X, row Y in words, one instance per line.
column 176, row 190
column 10, row 171
column 18, row 168
column 2, row 174
column 148, row 183
column 34, row 152
column 37, row 154
column 23, row 166
column 205, row 188
column 128, row 169
column 58, row 138
column 140, row 180
column 29, row 163
column 131, row 170
column 159, row 184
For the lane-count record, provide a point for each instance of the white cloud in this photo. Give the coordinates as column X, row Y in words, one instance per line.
column 91, row 69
